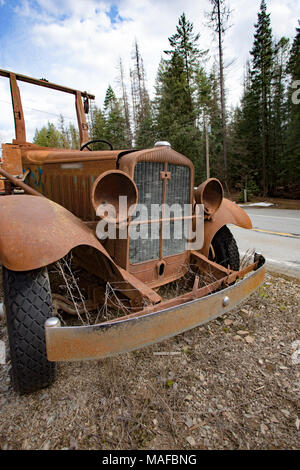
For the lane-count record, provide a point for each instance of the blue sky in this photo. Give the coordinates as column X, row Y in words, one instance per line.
column 78, row 43
column 18, row 17
column 12, row 30
column 6, row 17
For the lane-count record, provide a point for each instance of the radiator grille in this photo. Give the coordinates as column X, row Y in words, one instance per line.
column 150, row 190
column 147, row 176
column 178, row 192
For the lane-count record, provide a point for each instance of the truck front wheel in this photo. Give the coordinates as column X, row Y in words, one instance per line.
column 27, row 300
column 225, row 250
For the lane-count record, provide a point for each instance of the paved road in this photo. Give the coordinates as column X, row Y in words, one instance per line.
column 277, row 220
column 276, row 235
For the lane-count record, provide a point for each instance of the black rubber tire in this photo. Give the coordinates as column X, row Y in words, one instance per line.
column 225, row 249
column 27, row 300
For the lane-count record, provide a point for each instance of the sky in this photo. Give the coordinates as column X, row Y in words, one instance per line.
column 78, row 43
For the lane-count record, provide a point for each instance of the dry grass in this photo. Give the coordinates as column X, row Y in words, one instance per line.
column 66, row 281
column 209, row 388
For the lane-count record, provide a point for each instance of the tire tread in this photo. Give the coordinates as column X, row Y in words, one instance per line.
column 28, row 304
column 226, row 249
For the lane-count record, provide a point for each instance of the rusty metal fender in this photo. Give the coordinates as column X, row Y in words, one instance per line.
column 228, row 213
column 35, row 232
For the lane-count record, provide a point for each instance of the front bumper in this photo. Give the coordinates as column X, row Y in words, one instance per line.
column 119, row 336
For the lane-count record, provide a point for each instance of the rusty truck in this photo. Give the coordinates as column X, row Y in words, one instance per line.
column 49, row 208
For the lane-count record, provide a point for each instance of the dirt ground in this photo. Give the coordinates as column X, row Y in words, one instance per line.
column 231, row 384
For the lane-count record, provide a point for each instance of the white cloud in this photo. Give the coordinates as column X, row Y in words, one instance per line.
column 74, row 43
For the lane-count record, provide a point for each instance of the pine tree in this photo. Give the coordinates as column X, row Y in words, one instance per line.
column 293, row 127
column 74, row 137
column 172, row 98
column 110, row 100
column 97, row 127
column 48, row 136
column 176, row 101
column 40, row 137
column 277, row 167
column 245, row 139
column 65, row 137
column 208, row 103
column 214, row 117
column 184, row 44
column 115, row 124
column 261, row 70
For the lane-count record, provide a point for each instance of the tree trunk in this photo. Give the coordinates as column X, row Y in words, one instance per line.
column 223, row 112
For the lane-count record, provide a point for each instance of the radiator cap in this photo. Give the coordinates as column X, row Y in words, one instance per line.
column 162, row 143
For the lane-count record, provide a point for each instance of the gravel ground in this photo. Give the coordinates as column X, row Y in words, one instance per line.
column 232, row 384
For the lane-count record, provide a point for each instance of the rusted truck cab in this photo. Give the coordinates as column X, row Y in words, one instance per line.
column 55, row 200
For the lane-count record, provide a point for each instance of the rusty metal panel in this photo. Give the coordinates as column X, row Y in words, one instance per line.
column 12, row 159
column 44, row 83
column 107, row 339
column 147, row 272
column 68, row 183
column 18, row 110
column 72, row 192
column 82, row 124
column 228, row 213
column 35, row 232
column 39, row 156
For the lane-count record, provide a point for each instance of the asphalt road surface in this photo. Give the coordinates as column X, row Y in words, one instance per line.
column 276, row 235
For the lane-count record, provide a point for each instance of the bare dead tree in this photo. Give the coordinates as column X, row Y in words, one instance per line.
column 218, row 19
column 125, row 102
column 139, row 94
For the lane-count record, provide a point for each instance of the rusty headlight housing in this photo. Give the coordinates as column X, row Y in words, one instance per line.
column 109, row 187
column 210, row 193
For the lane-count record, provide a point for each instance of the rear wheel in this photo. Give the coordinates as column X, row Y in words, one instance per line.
column 27, row 299
column 225, row 250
